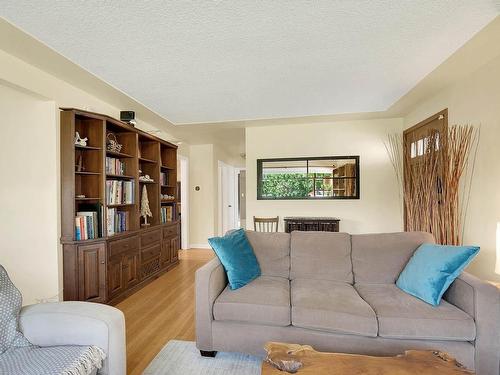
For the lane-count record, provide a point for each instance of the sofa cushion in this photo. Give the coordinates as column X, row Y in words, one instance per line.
column 321, row 255
column 331, row 306
column 380, row 258
column 401, row 315
column 266, row 300
column 10, row 305
column 237, row 256
column 433, row 268
column 272, row 251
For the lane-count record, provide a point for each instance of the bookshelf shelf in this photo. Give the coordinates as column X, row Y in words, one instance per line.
column 167, row 168
column 87, row 173
column 118, row 154
column 87, row 199
column 90, row 148
column 148, row 182
column 119, row 176
column 144, row 160
column 121, row 205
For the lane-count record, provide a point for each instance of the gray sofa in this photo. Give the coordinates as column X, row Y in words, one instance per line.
column 337, row 292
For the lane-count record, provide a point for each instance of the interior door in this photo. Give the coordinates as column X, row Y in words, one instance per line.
column 228, row 197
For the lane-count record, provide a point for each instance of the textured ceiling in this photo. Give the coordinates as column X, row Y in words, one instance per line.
column 210, row 61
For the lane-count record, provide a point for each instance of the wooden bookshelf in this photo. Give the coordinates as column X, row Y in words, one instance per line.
column 117, row 259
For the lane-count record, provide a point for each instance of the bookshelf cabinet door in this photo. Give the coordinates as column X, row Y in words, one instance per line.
column 92, row 272
column 115, row 276
column 131, row 269
column 165, row 253
column 174, row 248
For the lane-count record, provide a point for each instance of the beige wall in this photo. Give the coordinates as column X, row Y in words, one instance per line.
column 378, row 210
column 37, row 269
column 204, row 172
column 202, row 202
column 28, row 193
column 476, row 100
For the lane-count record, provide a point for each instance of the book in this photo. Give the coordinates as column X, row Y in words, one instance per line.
column 117, row 221
column 164, row 178
column 98, row 209
column 86, row 225
column 120, row 192
column 78, row 234
column 166, row 214
column 115, row 166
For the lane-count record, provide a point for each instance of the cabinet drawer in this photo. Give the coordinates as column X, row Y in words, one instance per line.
column 121, row 246
column 150, row 253
column 170, row 231
column 150, row 237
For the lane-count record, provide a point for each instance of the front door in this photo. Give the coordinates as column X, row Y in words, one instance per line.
column 422, row 170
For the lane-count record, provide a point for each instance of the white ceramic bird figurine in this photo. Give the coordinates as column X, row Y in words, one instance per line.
column 80, row 141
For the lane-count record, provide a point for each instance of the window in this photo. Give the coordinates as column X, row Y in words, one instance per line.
column 335, row 177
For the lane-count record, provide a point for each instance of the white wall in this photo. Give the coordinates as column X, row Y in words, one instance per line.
column 476, row 99
column 378, row 209
column 29, row 202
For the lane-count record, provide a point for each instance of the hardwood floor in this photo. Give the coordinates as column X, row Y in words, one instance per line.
column 162, row 311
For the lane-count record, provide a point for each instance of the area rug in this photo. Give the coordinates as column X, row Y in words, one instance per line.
column 182, row 358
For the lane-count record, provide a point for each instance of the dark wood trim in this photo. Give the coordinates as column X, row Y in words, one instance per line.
column 122, row 124
column 432, row 118
column 357, row 177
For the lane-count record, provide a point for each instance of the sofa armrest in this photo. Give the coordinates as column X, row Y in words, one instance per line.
column 78, row 323
column 481, row 300
column 210, row 281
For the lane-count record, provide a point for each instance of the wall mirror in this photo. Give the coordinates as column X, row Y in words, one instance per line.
column 332, row 177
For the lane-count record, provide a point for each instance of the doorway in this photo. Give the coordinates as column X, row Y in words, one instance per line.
column 242, row 196
column 228, row 198
column 184, row 200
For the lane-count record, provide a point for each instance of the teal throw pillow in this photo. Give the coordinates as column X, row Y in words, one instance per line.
column 432, row 269
column 237, row 256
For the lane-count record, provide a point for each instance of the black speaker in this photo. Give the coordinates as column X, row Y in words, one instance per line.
column 127, row 116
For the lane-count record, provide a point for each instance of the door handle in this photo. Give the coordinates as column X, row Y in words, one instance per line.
column 230, row 206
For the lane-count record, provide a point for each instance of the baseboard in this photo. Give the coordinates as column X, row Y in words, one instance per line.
column 199, row 246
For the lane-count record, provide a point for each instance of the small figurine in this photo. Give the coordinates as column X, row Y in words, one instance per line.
column 79, row 141
column 146, row 178
column 145, row 210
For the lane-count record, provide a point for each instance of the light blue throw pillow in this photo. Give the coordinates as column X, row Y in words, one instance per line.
column 432, row 269
column 237, row 256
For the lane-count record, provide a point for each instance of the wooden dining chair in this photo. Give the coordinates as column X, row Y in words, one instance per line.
column 266, row 224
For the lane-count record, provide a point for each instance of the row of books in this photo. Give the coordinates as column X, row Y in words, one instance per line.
column 88, row 222
column 117, row 221
column 164, row 178
column 120, row 192
column 115, row 166
column 166, row 214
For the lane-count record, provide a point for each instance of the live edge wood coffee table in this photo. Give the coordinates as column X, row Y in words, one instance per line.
column 420, row 362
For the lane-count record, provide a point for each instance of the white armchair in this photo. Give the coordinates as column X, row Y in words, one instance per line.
column 78, row 323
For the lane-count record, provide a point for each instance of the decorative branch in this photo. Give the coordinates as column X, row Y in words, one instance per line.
column 435, row 192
